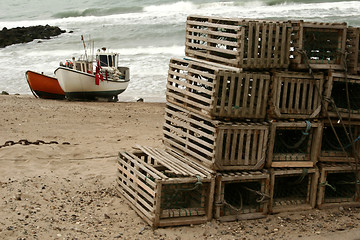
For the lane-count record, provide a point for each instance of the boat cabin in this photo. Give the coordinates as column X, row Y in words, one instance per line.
column 83, row 66
column 108, row 59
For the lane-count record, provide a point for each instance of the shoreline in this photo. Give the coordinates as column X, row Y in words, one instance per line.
column 67, row 191
column 122, row 99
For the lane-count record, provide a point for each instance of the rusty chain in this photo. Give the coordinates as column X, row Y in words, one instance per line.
column 27, row 142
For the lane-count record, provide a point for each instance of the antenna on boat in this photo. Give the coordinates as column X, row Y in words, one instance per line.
column 82, row 39
column 92, row 50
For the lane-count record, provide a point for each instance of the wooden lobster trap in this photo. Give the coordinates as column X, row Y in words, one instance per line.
column 339, row 185
column 340, row 87
column 295, row 95
column 217, row 145
column 241, row 195
column 164, row 188
column 294, row 144
column 353, row 49
column 247, row 44
column 217, row 92
column 293, row 189
column 317, row 45
column 348, row 135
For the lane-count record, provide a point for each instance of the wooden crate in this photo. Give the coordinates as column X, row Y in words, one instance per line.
column 353, row 49
column 331, row 150
column 293, row 189
column 294, row 144
column 295, row 95
column 217, row 92
column 335, row 88
column 241, row 195
column 247, row 44
column 164, row 188
column 339, row 185
column 317, row 45
column 218, row 145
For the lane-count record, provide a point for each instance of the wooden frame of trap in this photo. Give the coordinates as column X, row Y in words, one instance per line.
column 353, row 48
column 331, row 150
column 217, row 92
column 242, row 43
column 304, row 155
column 295, row 95
column 293, row 189
column 339, row 185
column 215, row 144
column 336, row 88
column 317, row 45
column 241, row 195
column 165, row 188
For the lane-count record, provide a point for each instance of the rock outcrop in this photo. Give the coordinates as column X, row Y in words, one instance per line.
column 27, row 34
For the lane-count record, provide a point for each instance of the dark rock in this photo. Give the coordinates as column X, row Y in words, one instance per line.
column 4, row 93
column 27, row 34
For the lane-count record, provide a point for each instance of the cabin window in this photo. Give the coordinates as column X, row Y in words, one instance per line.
column 107, row 60
column 103, row 60
column 110, row 61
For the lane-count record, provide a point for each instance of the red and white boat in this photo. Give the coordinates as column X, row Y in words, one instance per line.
column 44, row 86
column 80, row 81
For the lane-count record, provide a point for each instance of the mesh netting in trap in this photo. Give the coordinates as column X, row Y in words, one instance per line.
column 292, row 144
column 242, row 197
column 183, row 199
column 340, row 97
column 340, row 187
column 322, row 45
column 292, row 189
column 330, row 144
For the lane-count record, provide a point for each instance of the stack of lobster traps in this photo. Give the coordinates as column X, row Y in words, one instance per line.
column 261, row 117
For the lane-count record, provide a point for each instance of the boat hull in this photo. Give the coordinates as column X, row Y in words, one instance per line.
column 44, row 86
column 81, row 85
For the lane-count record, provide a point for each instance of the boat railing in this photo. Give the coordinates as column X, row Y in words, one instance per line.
column 125, row 72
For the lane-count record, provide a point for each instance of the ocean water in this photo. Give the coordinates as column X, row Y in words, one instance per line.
column 147, row 34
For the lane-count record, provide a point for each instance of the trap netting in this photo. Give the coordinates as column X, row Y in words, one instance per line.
column 292, row 144
column 340, row 187
column 292, row 189
column 322, row 45
column 243, row 197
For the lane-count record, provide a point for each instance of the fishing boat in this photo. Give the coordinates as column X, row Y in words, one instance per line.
column 85, row 79
column 44, row 86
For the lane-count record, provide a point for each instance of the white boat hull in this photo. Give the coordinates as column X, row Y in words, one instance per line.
column 81, row 85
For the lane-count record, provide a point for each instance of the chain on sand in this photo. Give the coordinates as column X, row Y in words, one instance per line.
column 27, row 142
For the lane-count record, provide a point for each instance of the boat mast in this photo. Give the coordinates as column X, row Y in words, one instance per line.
column 82, row 39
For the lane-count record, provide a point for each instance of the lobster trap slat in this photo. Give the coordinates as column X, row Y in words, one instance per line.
column 216, row 144
column 295, row 95
column 247, row 44
column 241, row 195
column 353, row 49
column 332, row 150
column 339, row 87
column 217, row 92
column 317, row 45
column 180, row 194
column 339, row 185
column 293, row 189
column 294, row 144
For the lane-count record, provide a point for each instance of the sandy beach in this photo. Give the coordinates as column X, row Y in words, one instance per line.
column 66, row 190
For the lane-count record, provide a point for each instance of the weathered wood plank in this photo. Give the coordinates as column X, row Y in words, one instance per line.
column 219, row 146
column 134, row 175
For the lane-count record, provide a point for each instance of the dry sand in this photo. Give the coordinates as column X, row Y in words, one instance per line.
column 67, row 191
